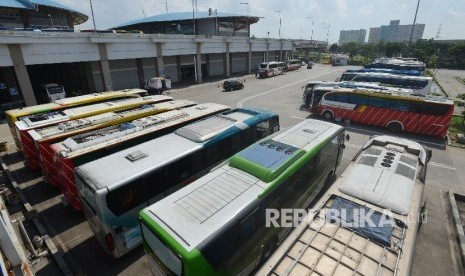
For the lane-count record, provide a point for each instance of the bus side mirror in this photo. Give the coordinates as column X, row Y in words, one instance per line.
column 347, row 137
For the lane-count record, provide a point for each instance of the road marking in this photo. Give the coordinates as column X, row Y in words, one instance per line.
column 442, row 165
column 300, row 118
column 241, row 102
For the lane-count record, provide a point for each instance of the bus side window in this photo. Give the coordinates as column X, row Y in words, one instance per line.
column 263, row 129
column 225, row 245
column 178, row 171
column 248, row 226
column 127, row 197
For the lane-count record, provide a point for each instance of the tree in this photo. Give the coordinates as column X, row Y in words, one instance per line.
column 334, row 48
column 350, row 48
column 460, row 102
column 457, row 51
column 393, row 49
column 368, row 50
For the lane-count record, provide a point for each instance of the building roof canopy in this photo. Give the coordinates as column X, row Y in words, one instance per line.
column 182, row 16
column 78, row 17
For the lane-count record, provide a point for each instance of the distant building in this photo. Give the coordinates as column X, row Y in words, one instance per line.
column 38, row 14
column 352, row 36
column 394, row 32
column 209, row 23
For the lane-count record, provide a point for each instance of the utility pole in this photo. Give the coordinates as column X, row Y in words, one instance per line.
column 93, row 18
column 166, row 6
column 279, row 24
column 193, row 14
column 248, row 27
column 413, row 26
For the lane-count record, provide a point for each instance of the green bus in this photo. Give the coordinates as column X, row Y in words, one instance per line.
column 217, row 224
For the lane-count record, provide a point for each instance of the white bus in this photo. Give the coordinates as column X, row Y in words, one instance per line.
column 270, row 69
column 367, row 222
column 115, row 188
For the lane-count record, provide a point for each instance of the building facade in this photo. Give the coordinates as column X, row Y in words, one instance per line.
column 357, row 36
column 394, row 32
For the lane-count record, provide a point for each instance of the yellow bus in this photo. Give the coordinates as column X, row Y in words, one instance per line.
column 14, row 115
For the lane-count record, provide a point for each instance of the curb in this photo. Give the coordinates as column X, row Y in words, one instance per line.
column 458, row 223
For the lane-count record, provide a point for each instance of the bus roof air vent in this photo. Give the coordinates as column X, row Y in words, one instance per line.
column 136, row 155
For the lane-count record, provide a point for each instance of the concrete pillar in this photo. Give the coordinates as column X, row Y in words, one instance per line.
column 249, row 60
column 105, row 67
column 207, row 60
column 178, row 68
column 22, row 75
column 140, row 71
column 267, row 58
column 280, row 51
column 159, row 64
column 199, row 62
column 227, row 68
column 89, row 77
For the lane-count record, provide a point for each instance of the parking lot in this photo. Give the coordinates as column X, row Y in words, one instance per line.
column 436, row 249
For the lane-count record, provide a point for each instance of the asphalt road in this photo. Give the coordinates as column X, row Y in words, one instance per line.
column 434, row 254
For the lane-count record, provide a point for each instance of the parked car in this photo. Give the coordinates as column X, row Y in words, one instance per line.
column 230, row 85
column 309, row 65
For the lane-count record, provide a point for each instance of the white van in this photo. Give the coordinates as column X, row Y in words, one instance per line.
column 53, row 92
column 269, row 69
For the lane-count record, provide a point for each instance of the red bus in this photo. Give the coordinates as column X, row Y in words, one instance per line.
column 293, row 64
column 396, row 111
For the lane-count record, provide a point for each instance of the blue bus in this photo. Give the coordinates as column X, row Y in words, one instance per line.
column 115, row 188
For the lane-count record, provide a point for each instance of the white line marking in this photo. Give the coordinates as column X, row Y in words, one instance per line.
column 442, row 165
column 300, row 118
column 353, row 146
column 241, row 102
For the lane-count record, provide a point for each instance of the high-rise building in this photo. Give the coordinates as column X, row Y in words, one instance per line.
column 394, row 32
column 352, row 36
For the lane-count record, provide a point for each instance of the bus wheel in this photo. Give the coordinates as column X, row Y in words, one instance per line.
column 268, row 250
column 328, row 115
column 330, row 178
column 394, row 127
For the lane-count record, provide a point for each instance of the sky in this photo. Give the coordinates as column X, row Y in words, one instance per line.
column 326, row 18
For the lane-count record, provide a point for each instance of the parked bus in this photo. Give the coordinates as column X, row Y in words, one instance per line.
column 293, row 64
column 115, row 188
column 90, row 146
column 385, row 181
column 43, row 138
column 407, row 72
column 27, row 123
column 419, row 85
column 314, row 90
column 398, row 64
column 397, row 112
column 217, row 224
column 14, row 115
column 270, row 69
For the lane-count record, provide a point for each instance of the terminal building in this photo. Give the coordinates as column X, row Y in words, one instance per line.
column 357, row 36
column 163, row 45
column 394, row 32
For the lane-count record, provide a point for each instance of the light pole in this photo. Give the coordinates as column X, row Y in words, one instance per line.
column 311, row 37
column 216, row 22
column 413, row 26
column 193, row 15
column 51, row 20
column 246, row 3
column 279, row 24
column 93, row 18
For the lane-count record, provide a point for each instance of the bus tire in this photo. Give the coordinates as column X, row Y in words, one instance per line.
column 268, row 250
column 394, row 127
column 330, row 178
column 328, row 115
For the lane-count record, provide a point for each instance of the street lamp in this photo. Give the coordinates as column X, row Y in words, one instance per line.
column 279, row 24
column 92, row 11
column 311, row 37
column 51, row 20
column 246, row 3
